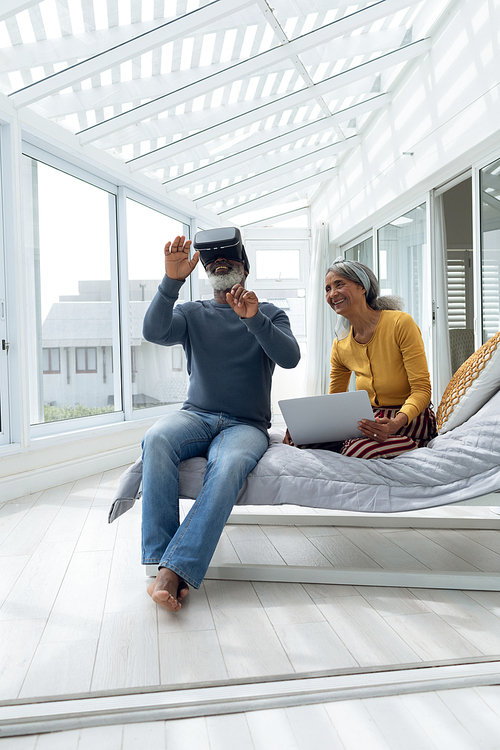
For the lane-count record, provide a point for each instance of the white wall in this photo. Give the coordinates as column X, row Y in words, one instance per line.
column 447, row 112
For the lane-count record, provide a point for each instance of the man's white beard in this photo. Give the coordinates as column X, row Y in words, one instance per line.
column 223, row 281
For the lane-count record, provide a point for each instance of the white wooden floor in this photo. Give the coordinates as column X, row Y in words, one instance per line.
column 466, row 719
column 75, row 617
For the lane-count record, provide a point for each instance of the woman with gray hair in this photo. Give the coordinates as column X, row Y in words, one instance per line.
column 383, row 346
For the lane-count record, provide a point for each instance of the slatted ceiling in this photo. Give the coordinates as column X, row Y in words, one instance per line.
column 227, row 110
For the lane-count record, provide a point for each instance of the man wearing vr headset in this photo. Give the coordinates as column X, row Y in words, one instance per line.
column 232, row 344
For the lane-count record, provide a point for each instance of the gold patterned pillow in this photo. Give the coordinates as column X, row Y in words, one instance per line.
column 471, row 386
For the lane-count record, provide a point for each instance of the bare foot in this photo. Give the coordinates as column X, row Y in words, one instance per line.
column 168, row 589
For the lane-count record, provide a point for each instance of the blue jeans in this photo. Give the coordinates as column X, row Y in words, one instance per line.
column 232, row 449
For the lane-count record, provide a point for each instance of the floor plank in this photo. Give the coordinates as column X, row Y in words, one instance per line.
column 431, row 637
column 39, row 583
column 382, row 549
column 127, row 654
column 240, row 619
column 392, row 601
column 230, row 731
column 31, row 528
column 287, row 603
column 60, row 669
column 99, row 738
column 429, row 552
column 294, row 547
column 12, row 567
column 271, row 730
column 342, row 553
column 147, row 734
column 398, row 725
column 97, row 534
column 475, row 715
column 11, row 513
column 466, row 616
column 465, row 548
column 78, row 609
column 355, row 726
column 18, row 642
column 192, row 656
column 367, row 635
column 187, row 734
column 315, row 646
column 440, row 722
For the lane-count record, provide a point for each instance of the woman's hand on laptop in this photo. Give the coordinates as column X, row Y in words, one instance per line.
column 287, row 439
column 382, row 427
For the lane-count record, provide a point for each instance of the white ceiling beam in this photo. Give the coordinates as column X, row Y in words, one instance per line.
column 11, row 7
column 248, row 157
column 278, row 217
column 189, row 122
column 274, row 196
column 401, row 55
column 246, row 68
column 181, row 27
column 73, row 47
column 116, row 94
column 265, row 177
column 277, row 142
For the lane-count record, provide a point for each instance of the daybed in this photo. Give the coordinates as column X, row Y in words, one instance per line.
column 461, row 463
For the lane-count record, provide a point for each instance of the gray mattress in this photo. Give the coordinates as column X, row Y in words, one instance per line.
column 459, row 465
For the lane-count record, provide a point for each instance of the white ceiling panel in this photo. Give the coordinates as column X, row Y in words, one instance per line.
column 238, row 105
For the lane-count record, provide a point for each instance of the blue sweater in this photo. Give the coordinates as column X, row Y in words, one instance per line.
column 230, row 361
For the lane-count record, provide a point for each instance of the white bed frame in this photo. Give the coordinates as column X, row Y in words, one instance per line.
column 357, row 576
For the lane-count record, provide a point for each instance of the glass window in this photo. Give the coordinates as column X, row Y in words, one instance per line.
column 277, row 264
column 4, row 410
column 402, row 264
column 86, row 359
column 279, row 274
column 71, row 259
column 362, row 252
column 159, row 373
column 490, row 249
column 51, row 361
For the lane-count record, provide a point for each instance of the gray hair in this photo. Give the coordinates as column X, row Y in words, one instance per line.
column 352, row 270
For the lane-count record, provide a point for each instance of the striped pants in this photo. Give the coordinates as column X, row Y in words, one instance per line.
column 416, row 434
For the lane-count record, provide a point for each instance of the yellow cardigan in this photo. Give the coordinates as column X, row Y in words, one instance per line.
column 391, row 367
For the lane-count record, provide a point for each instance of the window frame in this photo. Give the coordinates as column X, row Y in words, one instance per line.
column 68, row 167
column 51, row 370
column 5, row 422
column 86, row 349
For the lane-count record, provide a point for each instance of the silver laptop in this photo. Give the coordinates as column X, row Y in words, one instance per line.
column 325, row 419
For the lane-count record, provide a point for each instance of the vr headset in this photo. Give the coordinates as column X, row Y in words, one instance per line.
column 223, row 241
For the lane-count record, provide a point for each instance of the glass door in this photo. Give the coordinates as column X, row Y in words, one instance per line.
column 490, row 249
column 4, row 345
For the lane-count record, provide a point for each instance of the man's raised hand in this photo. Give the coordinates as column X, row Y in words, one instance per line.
column 177, row 263
column 244, row 302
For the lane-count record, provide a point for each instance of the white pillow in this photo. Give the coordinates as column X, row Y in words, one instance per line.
column 471, row 386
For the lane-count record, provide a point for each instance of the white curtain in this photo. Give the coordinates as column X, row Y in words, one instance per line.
column 320, row 318
column 442, row 341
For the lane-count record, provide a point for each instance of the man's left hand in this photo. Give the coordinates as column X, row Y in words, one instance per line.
column 244, row 302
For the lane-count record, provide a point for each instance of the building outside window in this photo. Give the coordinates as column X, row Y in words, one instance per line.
column 71, row 262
